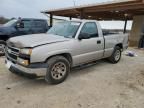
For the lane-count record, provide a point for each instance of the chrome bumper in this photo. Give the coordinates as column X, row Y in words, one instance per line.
column 19, row 68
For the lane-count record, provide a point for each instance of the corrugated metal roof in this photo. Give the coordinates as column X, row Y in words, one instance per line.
column 117, row 9
column 90, row 5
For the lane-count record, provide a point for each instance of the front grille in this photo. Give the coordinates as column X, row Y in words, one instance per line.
column 14, row 49
column 12, row 53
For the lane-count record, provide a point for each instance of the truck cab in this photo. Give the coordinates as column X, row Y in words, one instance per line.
column 23, row 26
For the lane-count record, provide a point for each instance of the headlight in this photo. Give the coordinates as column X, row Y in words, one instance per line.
column 23, row 62
column 26, row 51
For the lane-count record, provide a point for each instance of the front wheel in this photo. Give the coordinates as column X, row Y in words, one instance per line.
column 2, row 47
column 116, row 56
column 58, row 70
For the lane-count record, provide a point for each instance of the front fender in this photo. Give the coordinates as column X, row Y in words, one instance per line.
column 43, row 55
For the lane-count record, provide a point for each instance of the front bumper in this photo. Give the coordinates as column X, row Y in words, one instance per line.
column 27, row 70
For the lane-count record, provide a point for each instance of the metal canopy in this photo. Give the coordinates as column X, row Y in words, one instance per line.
column 114, row 10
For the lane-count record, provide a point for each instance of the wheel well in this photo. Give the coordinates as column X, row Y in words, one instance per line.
column 120, row 45
column 4, row 38
column 66, row 55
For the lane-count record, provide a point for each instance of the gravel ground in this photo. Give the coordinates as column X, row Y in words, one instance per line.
column 98, row 85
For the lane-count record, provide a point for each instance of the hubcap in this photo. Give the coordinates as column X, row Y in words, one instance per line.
column 117, row 55
column 2, row 46
column 58, row 70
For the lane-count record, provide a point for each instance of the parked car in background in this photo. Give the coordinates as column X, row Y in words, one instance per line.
column 23, row 26
column 66, row 45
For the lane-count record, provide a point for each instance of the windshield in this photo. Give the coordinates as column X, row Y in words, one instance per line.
column 10, row 23
column 66, row 29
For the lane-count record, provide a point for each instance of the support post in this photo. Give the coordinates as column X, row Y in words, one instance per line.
column 125, row 26
column 70, row 18
column 51, row 20
column 82, row 14
column 136, row 31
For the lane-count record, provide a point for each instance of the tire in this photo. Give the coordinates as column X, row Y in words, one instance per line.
column 58, row 70
column 2, row 45
column 116, row 56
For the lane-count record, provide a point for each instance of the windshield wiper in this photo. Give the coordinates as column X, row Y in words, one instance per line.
column 67, row 37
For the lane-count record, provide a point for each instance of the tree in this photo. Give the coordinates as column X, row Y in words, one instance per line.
column 3, row 20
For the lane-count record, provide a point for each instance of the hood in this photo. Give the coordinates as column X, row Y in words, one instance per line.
column 35, row 40
column 4, row 30
column 2, row 27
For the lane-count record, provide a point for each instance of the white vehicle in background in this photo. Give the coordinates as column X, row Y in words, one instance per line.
column 66, row 45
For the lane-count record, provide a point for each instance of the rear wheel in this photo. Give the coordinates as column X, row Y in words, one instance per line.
column 58, row 70
column 2, row 47
column 116, row 56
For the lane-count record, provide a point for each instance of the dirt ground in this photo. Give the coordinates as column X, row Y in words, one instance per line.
column 98, row 85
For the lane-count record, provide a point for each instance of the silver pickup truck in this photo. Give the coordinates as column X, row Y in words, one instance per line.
column 65, row 45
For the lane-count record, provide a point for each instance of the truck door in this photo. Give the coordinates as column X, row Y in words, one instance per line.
column 25, row 29
column 38, row 26
column 91, row 48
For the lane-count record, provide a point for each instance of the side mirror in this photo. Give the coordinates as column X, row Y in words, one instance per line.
column 84, row 36
column 20, row 25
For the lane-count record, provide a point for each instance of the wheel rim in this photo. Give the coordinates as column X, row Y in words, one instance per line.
column 58, row 70
column 117, row 55
column 2, row 46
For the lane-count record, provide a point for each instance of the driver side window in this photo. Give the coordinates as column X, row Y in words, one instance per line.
column 26, row 23
column 90, row 28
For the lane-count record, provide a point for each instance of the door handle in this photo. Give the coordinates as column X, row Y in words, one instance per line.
column 99, row 42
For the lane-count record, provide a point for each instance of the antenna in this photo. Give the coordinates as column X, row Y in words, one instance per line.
column 74, row 2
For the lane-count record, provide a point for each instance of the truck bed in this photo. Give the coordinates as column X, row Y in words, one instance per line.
column 112, row 31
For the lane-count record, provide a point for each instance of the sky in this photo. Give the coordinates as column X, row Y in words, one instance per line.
column 32, row 8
